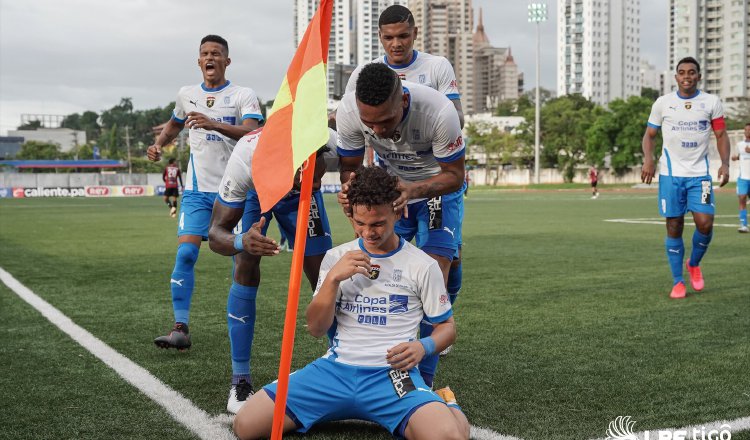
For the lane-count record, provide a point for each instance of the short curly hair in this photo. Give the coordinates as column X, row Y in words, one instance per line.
column 373, row 186
column 376, row 84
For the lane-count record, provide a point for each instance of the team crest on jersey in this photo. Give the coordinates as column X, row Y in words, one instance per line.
column 396, row 136
column 397, row 275
column 374, row 272
column 422, row 78
column 227, row 100
column 688, row 105
column 402, row 76
column 210, row 101
column 416, row 135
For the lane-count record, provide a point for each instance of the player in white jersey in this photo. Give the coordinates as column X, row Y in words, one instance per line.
column 416, row 132
column 238, row 202
column 217, row 114
column 397, row 32
column 686, row 119
column 743, row 180
column 378, row 287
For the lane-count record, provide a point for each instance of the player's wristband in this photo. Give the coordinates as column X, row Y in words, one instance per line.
column 429, row 345
column 238, row 242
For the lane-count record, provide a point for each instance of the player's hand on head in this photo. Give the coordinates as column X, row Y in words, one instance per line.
column 405, row 355
column 255, row 243
column 343, row 198
column 154, row 153
column 350, row 264
column 399, row 205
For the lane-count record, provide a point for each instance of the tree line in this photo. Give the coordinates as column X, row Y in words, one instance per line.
column 574, row 132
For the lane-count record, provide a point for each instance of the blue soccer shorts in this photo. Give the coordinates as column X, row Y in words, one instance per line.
column 325, row 390
column 285, row 212
column 195, row 213
column 743, row 187
column 677, row 195
column 436, row 224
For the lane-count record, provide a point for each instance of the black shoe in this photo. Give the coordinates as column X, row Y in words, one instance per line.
column 178, row 338
column 238, row 394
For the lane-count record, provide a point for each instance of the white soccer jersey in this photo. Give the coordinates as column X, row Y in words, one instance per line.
column 686, row 126
column 378, row 312
column 429, row 133
column 429, row 70
column 210, row 150
column 744, row 160
column 238, row 178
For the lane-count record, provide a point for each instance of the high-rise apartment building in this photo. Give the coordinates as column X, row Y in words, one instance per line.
column 717, row 34
column 496, row 75
column 598, row 48
column 446, row 29
column 354, row 33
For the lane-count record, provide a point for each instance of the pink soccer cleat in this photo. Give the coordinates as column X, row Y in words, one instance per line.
column 696, row 276
column 678, row 291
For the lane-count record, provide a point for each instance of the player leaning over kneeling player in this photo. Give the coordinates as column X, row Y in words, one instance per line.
column 378, row 287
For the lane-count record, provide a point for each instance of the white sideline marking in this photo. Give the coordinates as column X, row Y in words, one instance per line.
column 660, row 221
column 181, row 409
column 733, row 426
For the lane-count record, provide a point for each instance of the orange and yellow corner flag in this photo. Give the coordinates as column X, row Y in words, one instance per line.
column 298, row 124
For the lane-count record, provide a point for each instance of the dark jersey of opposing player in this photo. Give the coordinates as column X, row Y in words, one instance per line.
column 171, row 175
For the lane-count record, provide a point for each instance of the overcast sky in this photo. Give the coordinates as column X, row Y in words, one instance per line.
column 62, row 57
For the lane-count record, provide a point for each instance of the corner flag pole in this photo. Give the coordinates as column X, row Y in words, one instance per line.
column 295, row 277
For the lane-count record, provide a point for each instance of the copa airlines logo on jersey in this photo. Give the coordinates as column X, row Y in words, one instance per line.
column 621, row 428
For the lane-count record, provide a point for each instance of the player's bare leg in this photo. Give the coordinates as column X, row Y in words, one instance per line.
column 255, row 419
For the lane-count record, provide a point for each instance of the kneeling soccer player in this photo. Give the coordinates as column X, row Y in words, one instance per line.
column 378, row 287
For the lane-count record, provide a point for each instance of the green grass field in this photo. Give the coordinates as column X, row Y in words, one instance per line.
column 564, row 320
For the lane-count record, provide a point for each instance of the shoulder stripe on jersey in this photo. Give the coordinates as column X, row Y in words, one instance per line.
column 453, row 96
column 350, row 153
column 453, row 157
column 440, row 318
column 654, row 126
column 252, row 116
column 215, row 89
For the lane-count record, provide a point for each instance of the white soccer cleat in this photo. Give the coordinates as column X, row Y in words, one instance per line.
column 446, row 351
column 173, row 212
column 743, row 230
column 238, row 394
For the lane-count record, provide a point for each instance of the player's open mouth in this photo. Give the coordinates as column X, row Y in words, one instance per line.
column 210, row 67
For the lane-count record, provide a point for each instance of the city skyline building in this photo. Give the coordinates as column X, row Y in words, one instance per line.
column 496, row 75
column 446, row 28
column 717, row 34
column 598, row 49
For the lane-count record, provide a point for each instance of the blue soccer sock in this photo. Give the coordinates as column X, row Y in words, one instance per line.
column 700, row 246
column 183, row 280
column 428, row 366
column 455, row 277
column 743, row 217
column 675, row 253
column 241, row 324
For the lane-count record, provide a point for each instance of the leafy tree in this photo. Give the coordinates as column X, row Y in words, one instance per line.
column 31, row 125
column 498, row 147
column 88, row 122
column 737, row 119
column 618, row 133
column 650, row 94
column 564, row 123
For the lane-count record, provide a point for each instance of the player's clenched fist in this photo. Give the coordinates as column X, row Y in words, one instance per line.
column 352, row 263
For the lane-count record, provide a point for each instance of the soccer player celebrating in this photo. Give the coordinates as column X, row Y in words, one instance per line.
column 397, row 33
column 416, row 131
column 687, row 117
column 378, row 287
column 238, row 201
column 217, row 113
column 743, row 180
column 171, row 176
